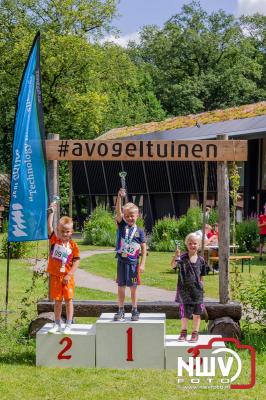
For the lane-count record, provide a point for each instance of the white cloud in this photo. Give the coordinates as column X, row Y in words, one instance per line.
column 123, row 40
column 249, row 7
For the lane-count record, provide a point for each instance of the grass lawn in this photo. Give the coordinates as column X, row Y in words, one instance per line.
column 158, row 272
column 20, row 379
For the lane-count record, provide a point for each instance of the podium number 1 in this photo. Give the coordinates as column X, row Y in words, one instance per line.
column 129, row 344
column 62, row 355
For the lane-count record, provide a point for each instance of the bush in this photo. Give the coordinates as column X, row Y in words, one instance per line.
column 252, row 295
column 100, row 230
column 18, row 249
column 190, row 222
column 247, row 235
column 164, row 234
column 213, row 217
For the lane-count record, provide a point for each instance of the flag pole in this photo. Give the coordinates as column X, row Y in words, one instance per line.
column 7, row 279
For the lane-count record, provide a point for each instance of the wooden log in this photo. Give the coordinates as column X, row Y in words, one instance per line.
column 94, row 308
column 40, row 321
column 226, row 327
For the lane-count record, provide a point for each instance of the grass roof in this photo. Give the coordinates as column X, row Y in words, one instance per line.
column 210, row 117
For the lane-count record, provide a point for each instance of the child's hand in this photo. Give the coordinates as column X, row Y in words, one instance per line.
column 177, row 253
column 122, row 193
column 141, row 268
column 66, row 279
column 52, row 206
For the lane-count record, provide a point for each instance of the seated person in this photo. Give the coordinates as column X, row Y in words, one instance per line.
column 212, row 235
column 207, row 241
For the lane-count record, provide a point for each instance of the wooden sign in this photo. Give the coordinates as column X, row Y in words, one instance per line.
column 151, row 150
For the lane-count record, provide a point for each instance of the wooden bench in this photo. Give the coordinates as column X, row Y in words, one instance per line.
column 237, row 258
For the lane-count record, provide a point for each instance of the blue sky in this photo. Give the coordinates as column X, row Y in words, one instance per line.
column 136, row 13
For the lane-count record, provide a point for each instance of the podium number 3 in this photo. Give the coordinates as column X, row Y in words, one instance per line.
column 129, row 344
column 62, row 355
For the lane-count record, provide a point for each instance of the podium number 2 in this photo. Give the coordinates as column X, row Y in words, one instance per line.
column 62, row 355
column 129, row 344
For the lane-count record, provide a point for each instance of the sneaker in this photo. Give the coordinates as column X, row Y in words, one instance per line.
column 67, row 329
column 134, row 315
column 194, row 337
column 183, row 336
column 55, row 329
column 119, row 316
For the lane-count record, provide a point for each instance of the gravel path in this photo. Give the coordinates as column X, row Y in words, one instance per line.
column 87, row 280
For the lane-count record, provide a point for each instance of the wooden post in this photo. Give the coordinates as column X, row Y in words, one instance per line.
column 205, row 190
column 224, row 222
column 70, row 193
column 53, row 188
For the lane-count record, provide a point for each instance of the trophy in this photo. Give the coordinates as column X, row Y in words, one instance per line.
column 123, row 175
column 178, row 244
column 55, row 200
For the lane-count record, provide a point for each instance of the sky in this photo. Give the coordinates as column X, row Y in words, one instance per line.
column 136, row 13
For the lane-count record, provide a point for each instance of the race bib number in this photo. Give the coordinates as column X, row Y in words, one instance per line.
column 60, row 253
column 130, row 249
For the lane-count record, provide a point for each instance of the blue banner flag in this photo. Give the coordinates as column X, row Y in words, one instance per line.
column 28, row 196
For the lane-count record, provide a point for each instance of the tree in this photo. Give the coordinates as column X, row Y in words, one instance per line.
column 87, row 88
column 200, row 62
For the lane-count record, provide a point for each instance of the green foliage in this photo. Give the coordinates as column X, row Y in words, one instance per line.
column 213, row 217
column 234, row 179
column 17, row 250
column 100, row 229
column 87, row 88
column 252, row 295
column 167, row 231
column 247, row 236
column 164, row 233
column 200, row 61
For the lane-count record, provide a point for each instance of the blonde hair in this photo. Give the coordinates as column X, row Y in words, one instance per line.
column 130, row 207
column 193, row 237
column 65, row 221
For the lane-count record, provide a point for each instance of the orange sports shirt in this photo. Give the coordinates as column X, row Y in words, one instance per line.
column 61, row 255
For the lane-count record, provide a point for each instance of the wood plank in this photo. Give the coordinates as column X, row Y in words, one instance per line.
column 94, row 308
column 139, row 150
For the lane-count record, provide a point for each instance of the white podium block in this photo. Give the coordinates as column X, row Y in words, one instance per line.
column 174, row 349
column 76, row 349
column 127, row 344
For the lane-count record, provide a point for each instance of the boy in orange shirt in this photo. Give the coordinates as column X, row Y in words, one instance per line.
column 63, row 262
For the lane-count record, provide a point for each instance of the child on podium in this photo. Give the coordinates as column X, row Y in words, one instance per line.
column 62, row 264
column 189, row 293
column 130, row 244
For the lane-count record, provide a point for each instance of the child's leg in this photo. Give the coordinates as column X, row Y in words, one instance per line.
column 57, row 310
column 133, row 292
column 69, row 310
column 121, row 296
column 184, row 323
column 196, row 323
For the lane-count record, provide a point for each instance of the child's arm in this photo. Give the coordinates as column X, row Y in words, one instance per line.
column 50, row 218
column 73, row 269
column 118, row 206
column 143, row 257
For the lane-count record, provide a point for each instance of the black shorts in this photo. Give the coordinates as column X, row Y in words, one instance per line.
column 262, row 238
column 127, row 274
column 187, row 310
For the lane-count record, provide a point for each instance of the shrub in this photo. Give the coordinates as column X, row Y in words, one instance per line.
column 18, row 249
column 100, row 229
column 213, row 217
column 247, row 235
column 253, row 298
column 164, row 234
column 190, row 222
